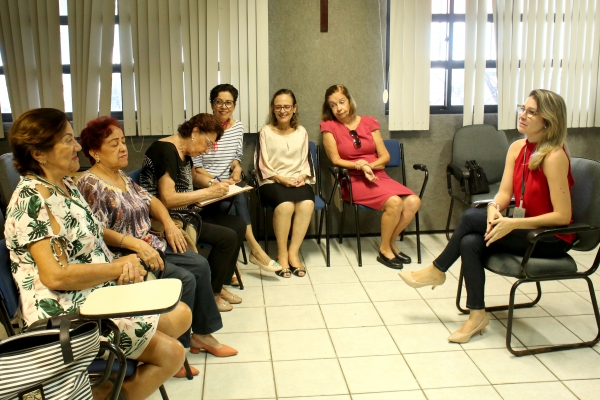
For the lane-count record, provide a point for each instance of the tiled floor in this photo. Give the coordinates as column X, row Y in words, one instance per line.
column 346, row 332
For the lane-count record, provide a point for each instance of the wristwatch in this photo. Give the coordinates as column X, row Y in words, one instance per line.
column 211, row 182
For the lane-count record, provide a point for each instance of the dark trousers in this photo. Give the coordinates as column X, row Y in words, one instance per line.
column 194, row 272
column 225, row 233
column 468, row 243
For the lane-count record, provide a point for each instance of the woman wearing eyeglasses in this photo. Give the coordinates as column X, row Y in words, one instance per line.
column 223, row 164
column 285, row 174
column 354, row 142
column 167, row 174
column 538, row 174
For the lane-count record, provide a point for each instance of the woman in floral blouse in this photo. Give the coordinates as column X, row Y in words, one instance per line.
column 58, row 255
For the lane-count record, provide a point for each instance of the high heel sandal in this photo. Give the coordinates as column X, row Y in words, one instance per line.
column 298, row 271
column 224, row 351
column 408, row 279
column 459, row 337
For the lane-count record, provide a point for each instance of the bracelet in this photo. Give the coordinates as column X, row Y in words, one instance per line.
column 494, row 204
column 121, row 242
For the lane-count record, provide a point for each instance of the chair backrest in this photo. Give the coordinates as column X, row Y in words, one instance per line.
column 396, row 150
column 586, row 200
column 484, row 144
column 8, row 291
column 10, row 179
column 135, row 175
column 314, row 155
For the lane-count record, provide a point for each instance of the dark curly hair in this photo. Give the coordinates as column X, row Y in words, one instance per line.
column 38, row 129
column 206, row 123
column 94, row 133
column 223, row 87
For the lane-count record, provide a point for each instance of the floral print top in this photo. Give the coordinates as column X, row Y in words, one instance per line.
column 81, row 237
column 126, row 212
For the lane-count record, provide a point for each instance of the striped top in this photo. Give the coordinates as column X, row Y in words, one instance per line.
column 229, row 148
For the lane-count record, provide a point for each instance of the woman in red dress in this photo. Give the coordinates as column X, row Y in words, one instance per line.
column 538, row 174
column 355, row 143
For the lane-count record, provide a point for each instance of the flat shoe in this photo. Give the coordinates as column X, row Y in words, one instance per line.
column 234, row 281
column 182, row 373
column 298, row 271
column 402, row 257
column 409, row 280
column 231, row 298
column 223, row 305
column 458, row 337
column 393, row 263
column 224, row 351
column 272, row 266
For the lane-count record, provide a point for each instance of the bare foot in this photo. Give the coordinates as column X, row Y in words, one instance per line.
column 260, row 255
column 208, row 340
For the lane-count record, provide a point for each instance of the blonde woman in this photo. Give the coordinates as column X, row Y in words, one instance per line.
column 538, row 174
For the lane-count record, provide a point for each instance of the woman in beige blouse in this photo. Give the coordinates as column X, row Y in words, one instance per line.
column 284, row 174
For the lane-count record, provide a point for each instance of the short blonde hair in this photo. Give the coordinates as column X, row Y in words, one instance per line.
column 327, row 114
column 552, row 108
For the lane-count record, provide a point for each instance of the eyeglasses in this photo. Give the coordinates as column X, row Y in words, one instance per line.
column 221, row 103
column 530, row 111
column 212, row 146
column 333, row 105
column 357, row 143
column 286, row 108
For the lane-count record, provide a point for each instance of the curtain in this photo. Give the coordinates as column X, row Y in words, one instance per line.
column 550, row 44
column 30, row 49
column 174, row 52
column 410, row 31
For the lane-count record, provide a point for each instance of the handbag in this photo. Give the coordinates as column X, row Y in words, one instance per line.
column 50, row 363
column 478, row 182
column 189, row 223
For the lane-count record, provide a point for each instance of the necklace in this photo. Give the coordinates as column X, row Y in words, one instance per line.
column 225, row 123
column 283, row 132
column 39, row 178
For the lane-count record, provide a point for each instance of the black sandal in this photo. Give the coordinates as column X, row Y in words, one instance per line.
column 297, row 271
column 282, row 273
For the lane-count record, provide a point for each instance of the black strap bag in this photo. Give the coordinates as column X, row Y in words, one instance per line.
column 478, row 182
column 50, row 363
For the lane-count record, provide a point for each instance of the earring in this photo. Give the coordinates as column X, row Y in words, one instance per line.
column 98, row 160
column 41, row 163
column 545, row 127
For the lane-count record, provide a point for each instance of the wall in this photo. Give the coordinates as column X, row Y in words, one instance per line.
column 307, row 61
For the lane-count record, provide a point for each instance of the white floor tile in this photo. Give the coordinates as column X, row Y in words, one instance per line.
column 239, row 381
column 568, row 303
column 404, row 395
column 472, row 392
column 294, row 317
column 368, row 341
column 573, row 364
column 493, row 337
column 421, row 338
column 244, row 320
column 301, row 345
column 584, row 326
column 446, row 369
column 584, row 389
column 405, row 312
column 252, row 296
column 535, row 391
column 389, row 291
column 351, row 315
column 377, row 374
column 294, row 295
column 335, row 293
column 320, row 275
column 541, row 332
column 499, row 366
column 181, row 388
column 309, row 378
column 251, row 346
column 375, row 273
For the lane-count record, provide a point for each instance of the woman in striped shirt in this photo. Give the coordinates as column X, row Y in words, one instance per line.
column 224, row 164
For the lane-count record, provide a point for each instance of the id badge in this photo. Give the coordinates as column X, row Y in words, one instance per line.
column 519, row 212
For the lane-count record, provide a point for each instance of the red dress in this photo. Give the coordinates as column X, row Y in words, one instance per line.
column 370, row 194
column 537, row 192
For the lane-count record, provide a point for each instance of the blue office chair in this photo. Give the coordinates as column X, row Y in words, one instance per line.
column 321, row 205
column 396, row 150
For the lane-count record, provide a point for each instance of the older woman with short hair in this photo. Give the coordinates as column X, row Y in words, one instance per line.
column 57, row 249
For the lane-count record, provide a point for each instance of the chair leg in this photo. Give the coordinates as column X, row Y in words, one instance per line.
column 327, row 235
column 188, row 371
column 342, row 221
column 320, row 226
column 266, row 230
column 358, row 236
column 449, row 218
column 239, row 277
column 548, row 349
column 495, row 308
column 418, row 238
column 163, row 392
column 245, row 262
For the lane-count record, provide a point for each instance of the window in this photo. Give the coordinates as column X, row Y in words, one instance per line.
column 448, row 58
column 116, row 102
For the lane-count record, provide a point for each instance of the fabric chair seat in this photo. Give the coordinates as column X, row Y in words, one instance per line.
column 510, row 265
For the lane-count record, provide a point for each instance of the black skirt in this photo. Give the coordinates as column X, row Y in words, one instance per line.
column 273, row 194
